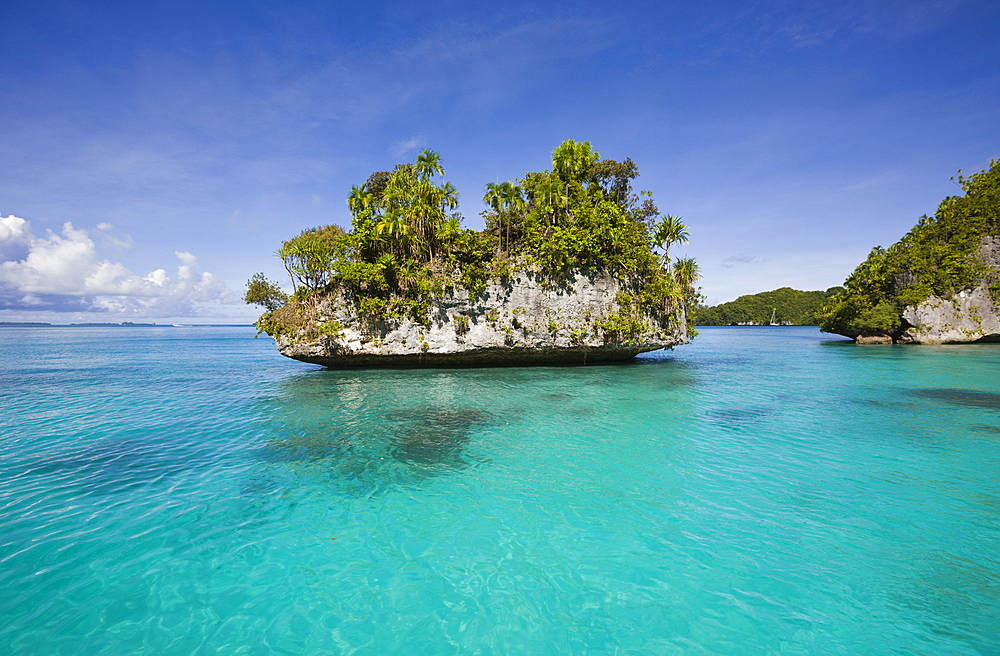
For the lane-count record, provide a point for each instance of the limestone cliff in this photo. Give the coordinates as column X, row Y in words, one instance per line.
column 519, row 321
column 971, row 315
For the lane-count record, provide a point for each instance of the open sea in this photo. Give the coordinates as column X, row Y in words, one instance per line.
column 187, row 490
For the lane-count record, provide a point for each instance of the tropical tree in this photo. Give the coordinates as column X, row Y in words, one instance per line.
column 428, row 164
column 449, row 230
column 396, row 232
column 308, row 257
column 574, row 161
column 359, row 200
column 686, row 272
column 551, row 198
column 667, row 231
column 506, row 199
column 263, row 292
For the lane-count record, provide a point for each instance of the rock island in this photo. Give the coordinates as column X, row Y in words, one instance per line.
column 939, row 284
column 573, row 266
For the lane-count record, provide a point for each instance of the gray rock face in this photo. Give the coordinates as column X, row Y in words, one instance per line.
column 520, row 322
column 969, row 316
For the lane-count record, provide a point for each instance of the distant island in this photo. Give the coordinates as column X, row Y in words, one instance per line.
column 781, row 307
column 566, row 271
column 940, row 283
column 93, row 324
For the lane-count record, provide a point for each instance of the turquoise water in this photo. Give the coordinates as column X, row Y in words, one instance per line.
column 759, row 491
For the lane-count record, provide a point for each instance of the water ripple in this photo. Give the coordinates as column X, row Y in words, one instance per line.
column 748, row 494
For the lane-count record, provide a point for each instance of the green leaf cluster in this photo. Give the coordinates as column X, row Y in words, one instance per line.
column 263, row 292
column 786, row 305
column 940, row 256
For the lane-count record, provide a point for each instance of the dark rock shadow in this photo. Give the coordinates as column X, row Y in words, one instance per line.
column 728, row 415
column 433, row 437
column 963, row 397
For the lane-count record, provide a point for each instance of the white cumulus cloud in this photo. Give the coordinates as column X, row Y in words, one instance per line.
column 65, row 272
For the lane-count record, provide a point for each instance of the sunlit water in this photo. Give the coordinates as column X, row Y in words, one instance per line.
column 759, row 491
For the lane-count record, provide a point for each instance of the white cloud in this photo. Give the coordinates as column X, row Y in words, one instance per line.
column 186, row 258
column 743, row 258
column 110, row 239
column 401, row 148
column 64, row 272
column 14, row 237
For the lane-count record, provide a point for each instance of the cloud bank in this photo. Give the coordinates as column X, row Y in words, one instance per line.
column 64, row 272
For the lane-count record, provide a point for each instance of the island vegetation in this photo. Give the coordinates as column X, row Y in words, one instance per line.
column 407, row 245
column 784, row 306
column 941, row 256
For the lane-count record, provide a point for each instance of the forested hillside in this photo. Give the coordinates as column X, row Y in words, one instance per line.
column 788, row 306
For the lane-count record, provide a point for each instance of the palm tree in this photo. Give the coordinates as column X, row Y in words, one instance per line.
column 428, row 164
column 512, row 201
column 667, row 231
column 506, row 199
column 551, row 195
column 493, row 196
column 359, row 200
column 449, row 229
column 449, row 197
column 573, row 161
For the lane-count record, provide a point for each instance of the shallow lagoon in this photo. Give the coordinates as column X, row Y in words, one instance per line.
column 759, row 491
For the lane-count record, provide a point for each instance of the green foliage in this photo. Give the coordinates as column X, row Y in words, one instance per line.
column 263, row 292
column 786, row 304
column 939, row 256
column 667, row 231
column 309, row 258
column 405, row 249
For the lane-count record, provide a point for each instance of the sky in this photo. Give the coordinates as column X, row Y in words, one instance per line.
column 154, row 155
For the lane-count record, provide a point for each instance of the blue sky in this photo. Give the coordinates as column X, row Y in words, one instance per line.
column 183, row 141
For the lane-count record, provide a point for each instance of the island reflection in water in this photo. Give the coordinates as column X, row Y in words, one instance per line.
column 371, row 428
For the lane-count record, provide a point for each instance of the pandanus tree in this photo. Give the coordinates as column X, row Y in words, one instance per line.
column 686, row 272
column 308, row 257
column 667, row 231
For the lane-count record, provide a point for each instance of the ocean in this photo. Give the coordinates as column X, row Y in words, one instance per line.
column 187, row 490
